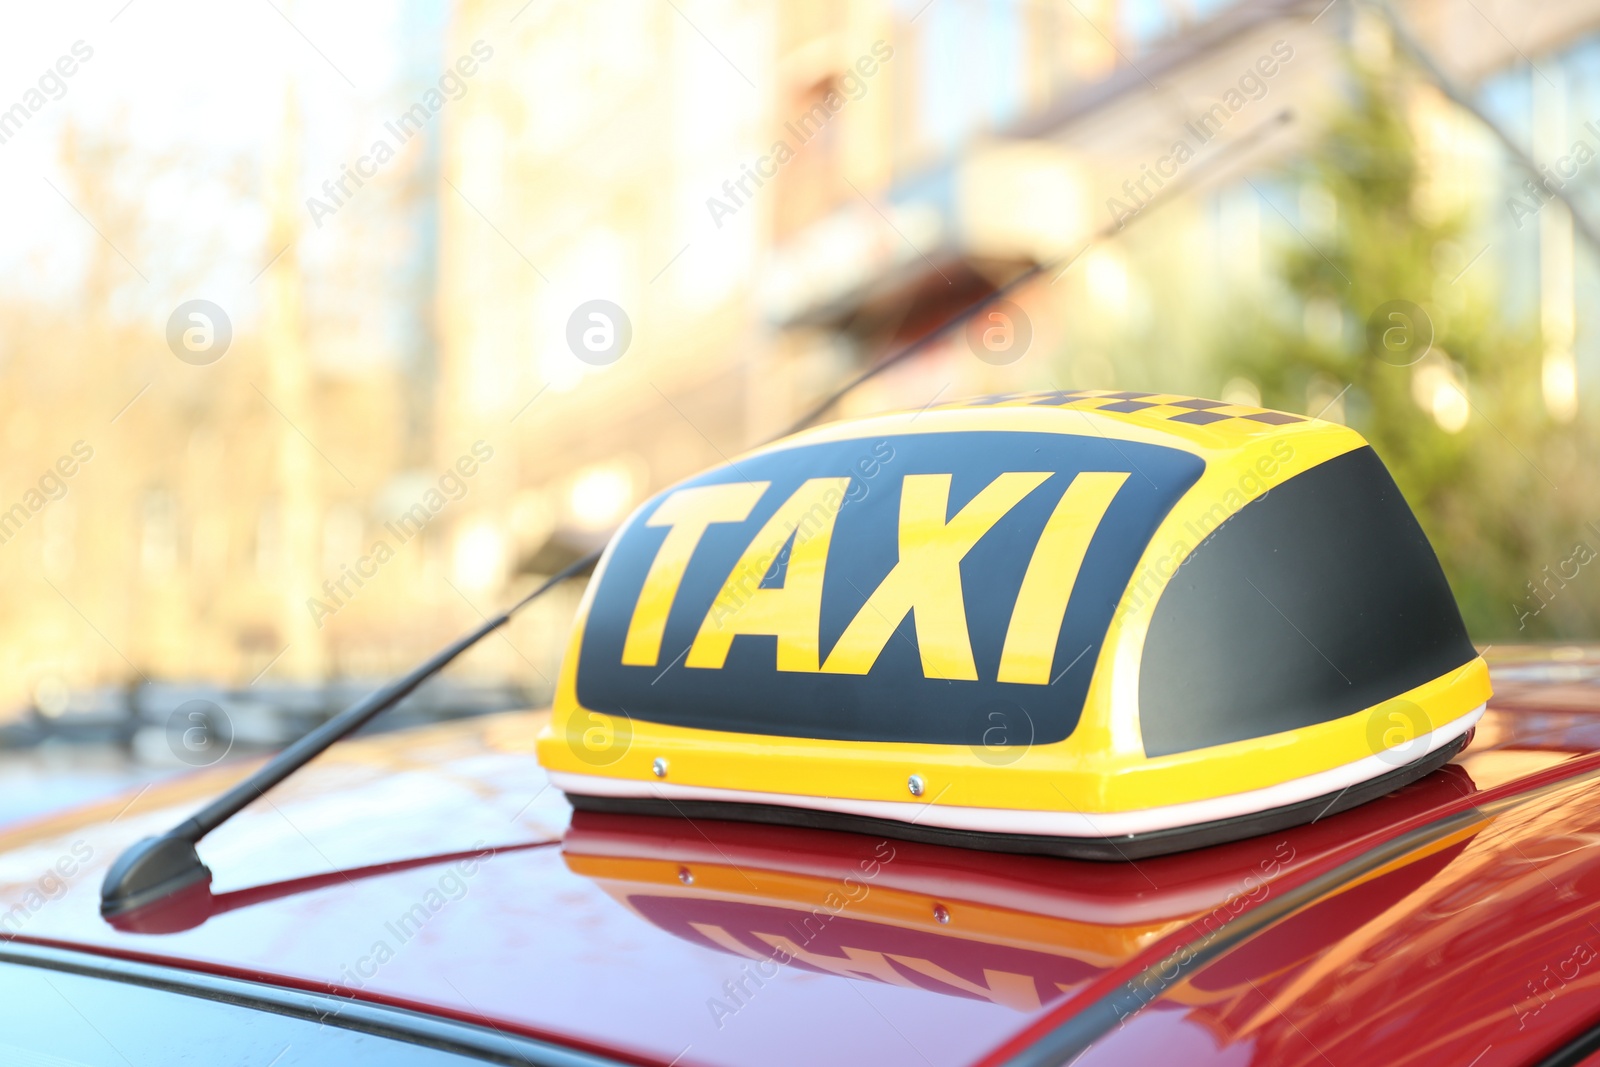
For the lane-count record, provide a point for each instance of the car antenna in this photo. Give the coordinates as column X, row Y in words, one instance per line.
column 153, row 868
column 156, row 867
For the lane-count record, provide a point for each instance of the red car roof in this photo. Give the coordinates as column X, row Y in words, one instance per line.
column 433, row 869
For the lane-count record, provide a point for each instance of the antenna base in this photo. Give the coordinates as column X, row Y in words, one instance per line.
column 149, row 871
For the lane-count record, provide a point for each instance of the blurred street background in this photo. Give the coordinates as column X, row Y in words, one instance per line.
column 325, row 330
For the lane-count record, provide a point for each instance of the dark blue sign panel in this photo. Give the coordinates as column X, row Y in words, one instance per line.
column 947, row 588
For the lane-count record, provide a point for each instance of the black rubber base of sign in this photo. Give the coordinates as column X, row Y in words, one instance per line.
column 1126, row 847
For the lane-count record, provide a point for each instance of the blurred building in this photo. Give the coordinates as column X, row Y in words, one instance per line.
column 775, row 194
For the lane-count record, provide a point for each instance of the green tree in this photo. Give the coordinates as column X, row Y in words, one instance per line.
column 1505, row 493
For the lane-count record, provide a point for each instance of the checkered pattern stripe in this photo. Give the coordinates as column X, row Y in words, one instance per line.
column 1156, row 407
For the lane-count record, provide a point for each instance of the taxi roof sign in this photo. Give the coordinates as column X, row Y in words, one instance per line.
column 1091, row 623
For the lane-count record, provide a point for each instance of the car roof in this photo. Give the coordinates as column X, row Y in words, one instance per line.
column 434, row 869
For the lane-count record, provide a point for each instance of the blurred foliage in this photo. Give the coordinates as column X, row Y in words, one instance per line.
column 1505, row 493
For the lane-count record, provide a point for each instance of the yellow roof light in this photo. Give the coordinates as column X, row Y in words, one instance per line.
column 1097, row 624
